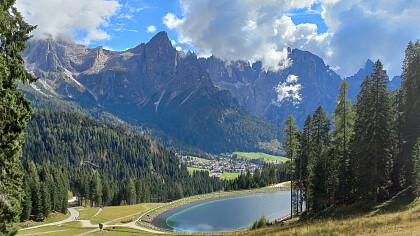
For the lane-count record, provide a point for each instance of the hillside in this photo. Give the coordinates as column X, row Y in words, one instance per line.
column 84, row 146
column 398, row 216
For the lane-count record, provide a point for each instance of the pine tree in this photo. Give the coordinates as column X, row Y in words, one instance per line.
column 26, row 204
column 372, row 139
column 46, row 199
column 304, row 156
column 343, row 121
column 410, row 89
column 14, row 111
column 291, row 144
column 416, row 168
column 95, row 190
column 319, row 166
column 130, row 192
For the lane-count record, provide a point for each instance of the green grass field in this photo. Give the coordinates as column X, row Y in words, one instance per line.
column 121, row 213
column 67, row 229
column 53, row 217
column 225, row 175
column 259, row 155
column 199, row 159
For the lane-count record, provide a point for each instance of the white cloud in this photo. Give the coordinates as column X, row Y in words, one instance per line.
column 288, row 91
column 69, row 17
column 260, row 30
column 292, row 79
column 151, row 29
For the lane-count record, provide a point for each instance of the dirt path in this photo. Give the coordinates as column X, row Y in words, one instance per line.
column 97, row 213
column 87, row 223
column 73, row 216
column 48, row 232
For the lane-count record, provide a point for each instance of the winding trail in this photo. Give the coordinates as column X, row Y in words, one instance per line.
column 73, row 216
column 133, row 224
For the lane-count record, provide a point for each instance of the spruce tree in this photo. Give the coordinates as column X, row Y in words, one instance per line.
column 319, row 163
column 14, row 111
column 416, row 168
column 372, row 142
column 343, row 122
column 46, row 199
column 304, row 156
column 130, row 192
column 291, row 144
column 410, row 89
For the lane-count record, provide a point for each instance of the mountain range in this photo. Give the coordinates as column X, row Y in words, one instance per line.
column 197, row 103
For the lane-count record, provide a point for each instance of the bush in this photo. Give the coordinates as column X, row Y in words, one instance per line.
column 259, row 223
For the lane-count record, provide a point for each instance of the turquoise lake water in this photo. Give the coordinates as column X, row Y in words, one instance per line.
column 226, row 213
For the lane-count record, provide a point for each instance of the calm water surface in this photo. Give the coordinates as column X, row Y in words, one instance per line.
column 226, row 213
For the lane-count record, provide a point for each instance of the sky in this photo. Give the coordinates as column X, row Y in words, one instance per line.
column 344, row 33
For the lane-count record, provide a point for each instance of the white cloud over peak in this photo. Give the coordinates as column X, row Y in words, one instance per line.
column 151, row 29
column 261, row 30
column 288, row 91
column 69, row 18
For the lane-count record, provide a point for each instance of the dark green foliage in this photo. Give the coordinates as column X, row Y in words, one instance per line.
column 100, row 158
column 372, row 140
column 291, row 145
column 14, row 111
column 261, row 222
column 303, row 160
column 130, row 192
column 343, row 121
column 319, row 163
column 410, row 109
column 46, row 188
column 416, row 168
column 269, row 174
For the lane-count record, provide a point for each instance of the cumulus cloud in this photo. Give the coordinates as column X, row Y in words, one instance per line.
column 69, row 18
column 374, row 30
column 151, row 29
column 261, row 30
column 288, row 91
column 237, row 30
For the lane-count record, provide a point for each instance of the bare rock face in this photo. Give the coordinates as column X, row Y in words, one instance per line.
column 298, row 89
column 151, row 85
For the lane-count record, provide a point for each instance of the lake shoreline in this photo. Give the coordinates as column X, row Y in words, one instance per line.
column 150, row 218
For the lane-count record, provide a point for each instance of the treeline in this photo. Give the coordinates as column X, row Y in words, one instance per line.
column 45, row 190
column 103, row 162
column 269, row 174
column 373, row 151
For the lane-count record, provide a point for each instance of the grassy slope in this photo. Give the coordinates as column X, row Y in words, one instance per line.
column 53, row 217
column 199, row 159
column 121, row 213
column 225, row 175
column 258, row 155
column 399, row 216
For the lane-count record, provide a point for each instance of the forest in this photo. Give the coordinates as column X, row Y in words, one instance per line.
column 373, row 150
column 102, row 164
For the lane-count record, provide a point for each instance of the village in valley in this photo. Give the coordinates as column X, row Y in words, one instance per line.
column 221, row 164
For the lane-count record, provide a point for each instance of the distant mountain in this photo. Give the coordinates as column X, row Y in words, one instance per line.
column 298, row 90
column 186, row 101
column 356, row 79
column 150, row 85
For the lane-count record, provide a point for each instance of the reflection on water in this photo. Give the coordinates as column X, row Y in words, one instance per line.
column 225, row 213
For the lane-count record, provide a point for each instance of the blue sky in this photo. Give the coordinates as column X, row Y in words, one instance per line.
column 344, row 33
column 129, row 26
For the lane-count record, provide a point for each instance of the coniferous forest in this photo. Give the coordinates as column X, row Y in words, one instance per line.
column 102, row 164
column 368, row 151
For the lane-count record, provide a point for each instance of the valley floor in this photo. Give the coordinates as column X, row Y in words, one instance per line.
column 121, row 220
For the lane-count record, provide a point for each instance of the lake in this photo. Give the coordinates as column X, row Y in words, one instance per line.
column 227, row 213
